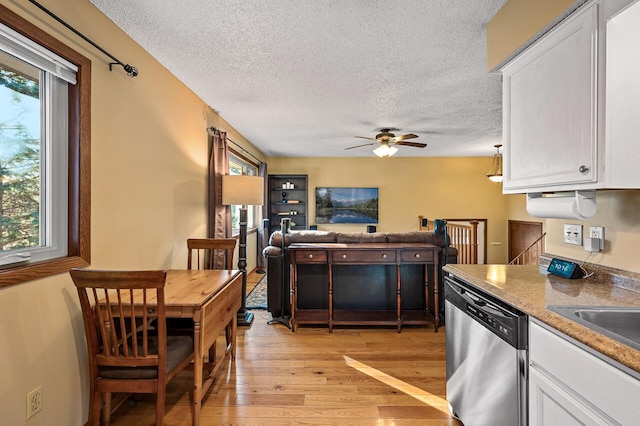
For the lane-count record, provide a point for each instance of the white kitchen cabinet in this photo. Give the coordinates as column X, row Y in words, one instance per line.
column 570, row 386
column 556, row 96
column 623, row 93
column 550, row 108
column 550, row 404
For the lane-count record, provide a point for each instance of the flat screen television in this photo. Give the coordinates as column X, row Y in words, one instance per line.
column 346, row 205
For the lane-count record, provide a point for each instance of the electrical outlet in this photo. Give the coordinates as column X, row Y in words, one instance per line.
column 572, row 234
column 597, row 232
column 34, row 402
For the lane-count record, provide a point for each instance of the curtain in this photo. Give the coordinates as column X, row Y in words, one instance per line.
column 219, row 215
column 263, row 228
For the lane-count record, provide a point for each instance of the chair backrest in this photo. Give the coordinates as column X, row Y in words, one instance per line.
column 210, row 253
column 118, row 308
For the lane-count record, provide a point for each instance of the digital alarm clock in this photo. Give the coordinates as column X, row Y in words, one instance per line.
column 565, row 269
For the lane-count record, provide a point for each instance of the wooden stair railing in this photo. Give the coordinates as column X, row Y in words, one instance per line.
column 465, row 239
column 524, row 254
column 462, row 237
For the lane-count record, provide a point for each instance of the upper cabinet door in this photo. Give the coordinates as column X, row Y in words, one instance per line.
column 550, row 109
column 623, row 97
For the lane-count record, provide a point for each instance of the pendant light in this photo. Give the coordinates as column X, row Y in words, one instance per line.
column 495, row 173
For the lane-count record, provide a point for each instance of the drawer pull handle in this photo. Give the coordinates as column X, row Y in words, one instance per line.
column 344, row 256
column 310, row 256
column 417, row 255
column 384, row 256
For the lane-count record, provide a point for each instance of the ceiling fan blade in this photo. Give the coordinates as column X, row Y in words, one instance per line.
column 365, row 137
column 358, row 146
column 404, row 137
column 413, row 144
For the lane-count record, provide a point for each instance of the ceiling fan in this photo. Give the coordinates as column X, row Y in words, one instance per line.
column 387, row 140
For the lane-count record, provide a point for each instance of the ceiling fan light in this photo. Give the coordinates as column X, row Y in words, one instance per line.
column 495, row 173
column 385, row 150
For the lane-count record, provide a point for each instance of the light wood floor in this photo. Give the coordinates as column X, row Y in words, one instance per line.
column 252, row 280
column 353, row 376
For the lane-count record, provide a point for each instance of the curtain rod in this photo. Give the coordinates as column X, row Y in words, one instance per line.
column 213, row 129
column 129, row 69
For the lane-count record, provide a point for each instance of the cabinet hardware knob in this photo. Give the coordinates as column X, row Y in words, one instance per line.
column 384, row 256
column 583, row 169
column 344, row 256
column 417, row 255
column 310, row 256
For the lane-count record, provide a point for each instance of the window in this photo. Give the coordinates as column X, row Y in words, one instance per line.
column 44, row 153
column 240, row 166
column 33, row 158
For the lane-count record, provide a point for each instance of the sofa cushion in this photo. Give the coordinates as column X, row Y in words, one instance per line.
column 307, row 236
column 428, row 237
column 358, row 237
column 416, row 237
column 272, row 251
column 302, row 237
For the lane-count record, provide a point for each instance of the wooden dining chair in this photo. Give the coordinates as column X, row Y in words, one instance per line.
column 210, row 253
column 126, row 353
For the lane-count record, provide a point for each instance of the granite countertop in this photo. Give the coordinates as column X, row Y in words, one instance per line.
column 529, row 290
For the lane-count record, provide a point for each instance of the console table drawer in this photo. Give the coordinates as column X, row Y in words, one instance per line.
column 417, row 255
column 365, row 256
column 311, row 256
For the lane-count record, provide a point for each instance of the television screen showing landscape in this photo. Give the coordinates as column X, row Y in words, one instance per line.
column 346, row 205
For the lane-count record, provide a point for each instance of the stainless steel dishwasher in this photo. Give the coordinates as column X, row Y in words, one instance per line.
column 486, row 342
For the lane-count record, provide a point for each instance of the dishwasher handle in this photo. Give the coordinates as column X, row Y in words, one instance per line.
column 470, row 298
column 475, row 303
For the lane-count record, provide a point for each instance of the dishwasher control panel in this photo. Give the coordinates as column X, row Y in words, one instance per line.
column 489, row 320
column 504, row 320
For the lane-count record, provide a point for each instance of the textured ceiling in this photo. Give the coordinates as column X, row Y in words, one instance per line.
column 304, row 77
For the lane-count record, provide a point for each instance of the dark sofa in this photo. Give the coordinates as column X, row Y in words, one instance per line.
column 277, row 256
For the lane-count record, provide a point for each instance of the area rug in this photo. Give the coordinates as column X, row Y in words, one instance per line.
column 257, row 298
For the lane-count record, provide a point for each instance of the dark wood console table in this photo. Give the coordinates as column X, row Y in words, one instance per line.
column 364, row 284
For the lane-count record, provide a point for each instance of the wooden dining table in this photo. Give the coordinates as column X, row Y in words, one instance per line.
column 212, row 299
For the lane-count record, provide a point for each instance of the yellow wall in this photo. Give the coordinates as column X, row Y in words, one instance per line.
column 617, row 211
column 516, row 23
column 149, row 168
column 440, row 187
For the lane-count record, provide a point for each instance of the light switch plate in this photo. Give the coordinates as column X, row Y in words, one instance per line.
column 572, row 234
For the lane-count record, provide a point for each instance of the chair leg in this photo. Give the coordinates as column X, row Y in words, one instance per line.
column 231, row 330
column 212, row 354
column 160, row 405
column 228, row 333
column 95, row 408
column 106, row 408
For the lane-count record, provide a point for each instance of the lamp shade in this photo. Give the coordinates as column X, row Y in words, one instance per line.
column 495, row 173
column 240, row 190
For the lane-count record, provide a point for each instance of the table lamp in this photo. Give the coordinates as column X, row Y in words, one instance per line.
column 243, row 191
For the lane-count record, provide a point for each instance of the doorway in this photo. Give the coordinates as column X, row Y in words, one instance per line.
column 525, row 242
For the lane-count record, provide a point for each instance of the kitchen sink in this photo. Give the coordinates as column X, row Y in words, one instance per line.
column 618, row 323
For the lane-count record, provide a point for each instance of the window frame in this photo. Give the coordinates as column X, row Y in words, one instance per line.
column 79, row 161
